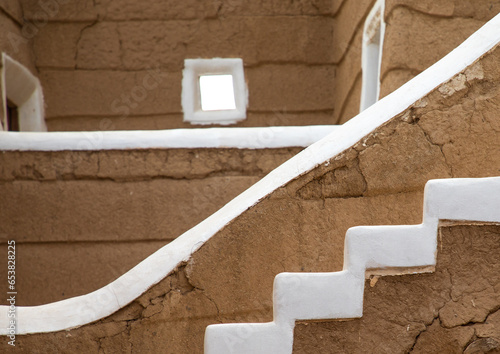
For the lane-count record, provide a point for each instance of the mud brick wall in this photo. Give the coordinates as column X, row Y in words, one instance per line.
column 452, row 132
column 419, row 33
column 302, row 59
column 454, row 310
column 15, row 39
column 82, row 219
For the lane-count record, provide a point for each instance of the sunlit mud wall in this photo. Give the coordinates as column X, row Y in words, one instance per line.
column 419, row 33
column 453, row 310
column 82, row 219
column 108, row 65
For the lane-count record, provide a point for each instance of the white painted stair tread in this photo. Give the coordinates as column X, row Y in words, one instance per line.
column 339, row 295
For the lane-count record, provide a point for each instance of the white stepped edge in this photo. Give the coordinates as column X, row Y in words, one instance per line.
column 239, row 138
column 339, row 295
column 88, row 308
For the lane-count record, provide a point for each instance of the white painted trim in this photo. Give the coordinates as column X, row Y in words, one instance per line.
column 339, row 295
column 240, row 138
column 23, row 89
column 191, row 98
column 374, row 26
column 84, row 309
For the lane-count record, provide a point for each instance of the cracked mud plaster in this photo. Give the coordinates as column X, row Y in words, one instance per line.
column 410, row 313
column 343, row 182
column 468, row 127
column 147, row 197
column 459, row 82
column 170, row 318
column 396, row 158
column 140, row 164
column 452, row 132
column 410, row 24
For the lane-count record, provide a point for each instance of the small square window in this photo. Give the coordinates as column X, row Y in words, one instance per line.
column 217, row 92
column 214, row 91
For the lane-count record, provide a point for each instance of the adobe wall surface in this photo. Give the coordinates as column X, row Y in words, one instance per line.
column 15, row 39
column 82, row 219
column 105, row 66
column 453, row 310
column 452, row 132
column 419, row 33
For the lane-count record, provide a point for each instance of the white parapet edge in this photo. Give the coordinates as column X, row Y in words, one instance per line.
column 239, row 138
column 81, row 310
column 395, row 249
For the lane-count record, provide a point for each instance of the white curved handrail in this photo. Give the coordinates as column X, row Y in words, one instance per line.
column 84, row 309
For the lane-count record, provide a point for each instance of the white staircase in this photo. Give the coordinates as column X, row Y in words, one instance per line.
column 384, row 250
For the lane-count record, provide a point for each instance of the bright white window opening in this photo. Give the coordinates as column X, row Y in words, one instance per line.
column 373, row 39
column 217, row 92
column 214, row 91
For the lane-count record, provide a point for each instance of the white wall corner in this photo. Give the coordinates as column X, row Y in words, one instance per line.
column 371, row 56
column 191, row 96
column 21, row 87
column 3, row 97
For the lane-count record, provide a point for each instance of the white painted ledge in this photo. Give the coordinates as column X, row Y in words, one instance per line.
column 88, row 308
column 339, row 295
column 240, row 138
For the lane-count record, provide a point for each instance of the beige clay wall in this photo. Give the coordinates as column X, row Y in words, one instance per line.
column 302, row 59
column 419, row 33
column 456, row 309
column 453, row 132
column 82, row 219
column 15, row 40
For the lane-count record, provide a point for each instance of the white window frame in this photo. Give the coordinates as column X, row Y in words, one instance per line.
column 22, row 88
column 371, row 57
column 191, row 97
